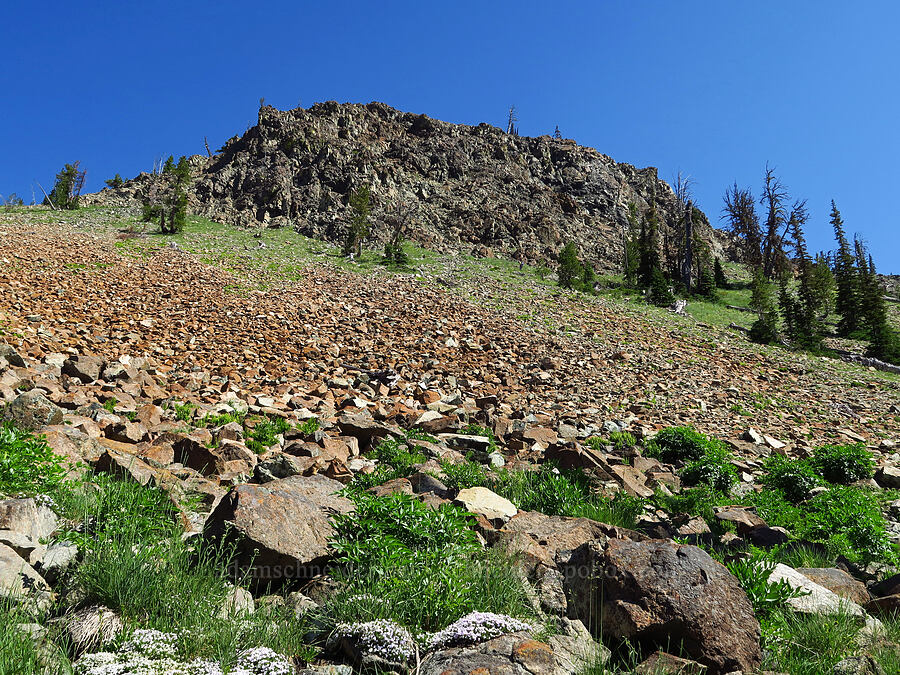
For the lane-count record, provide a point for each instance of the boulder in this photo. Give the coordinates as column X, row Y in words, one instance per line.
column 659, row 594
column 888, row 476
column 661, row 663
column 816, row 599
column 280, row 530
column 515, row 654
column 481, row 501
column 11, row 355
column 32, row 410
column 550, row 540
column 85, row 368
column 27, row 517
column 838, row 582
column 20, row 581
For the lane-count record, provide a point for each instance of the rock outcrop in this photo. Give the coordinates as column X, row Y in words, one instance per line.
column 455, row 187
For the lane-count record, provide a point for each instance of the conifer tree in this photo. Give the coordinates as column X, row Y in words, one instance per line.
column 765, row 328
column 706, row 283
column 719, row 277
column 648, row 248
column 660, row 293
column 358, row 229
column 884, row 342
column 801, row 322
column 846, row 278
column 570, row 271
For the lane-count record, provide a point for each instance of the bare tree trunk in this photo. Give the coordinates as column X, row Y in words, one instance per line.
column 49, row 201
column 687, row 265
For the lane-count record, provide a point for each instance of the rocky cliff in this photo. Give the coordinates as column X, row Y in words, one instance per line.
column 457, row 187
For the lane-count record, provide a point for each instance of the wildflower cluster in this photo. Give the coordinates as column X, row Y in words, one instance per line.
column 382, row 638
column 476, row 627
column 150, row 652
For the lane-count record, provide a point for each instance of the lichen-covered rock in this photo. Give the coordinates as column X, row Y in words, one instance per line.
column 659, row 594
column 280, row 530
column 32, row 410
column 511, row 654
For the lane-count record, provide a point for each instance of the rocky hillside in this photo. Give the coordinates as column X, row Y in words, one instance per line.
column 398, row 479
column 457, row 187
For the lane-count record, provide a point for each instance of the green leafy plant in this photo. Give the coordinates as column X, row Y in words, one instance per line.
column 680, row 444
column 423, row 567
column 309, row 426
column 28, row 466
column 622, row 440
column 714, row 469
column 478, row 430
column 463, row 475
column 794, row 478
column 184, row 412
column 265, row 433
column 766, row 596
column 396, row 460
column 843, row 464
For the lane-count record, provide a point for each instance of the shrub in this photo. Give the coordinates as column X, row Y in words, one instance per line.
column 547, row 490
column 843, row 464
column 28, row 467
column 699, row 501
column 794, row 478
column 680, row 444
column 713, row 469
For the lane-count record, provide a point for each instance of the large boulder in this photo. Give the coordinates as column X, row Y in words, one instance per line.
column 816, row 599
column 32, row 410
column 280, row 530
column 659, row 594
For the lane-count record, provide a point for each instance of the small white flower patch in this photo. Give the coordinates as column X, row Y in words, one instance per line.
column 476, row 627
column 382, row 638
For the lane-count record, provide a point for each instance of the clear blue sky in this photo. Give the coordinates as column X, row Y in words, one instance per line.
column 715, row 89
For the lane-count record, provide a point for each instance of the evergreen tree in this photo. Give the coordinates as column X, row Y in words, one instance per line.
column 846, row 278
column 358, row 229
column 115, row 182
column 67, row 189
column 884, row 342
column 660, row 292
column 169, row 166
column 800, row 312
column 719, row 277
column 648, row 248
column 765, row 328
column 823, row 284
column 740, row 210
column 173, row 214
column 570, row 270
column 706, row 283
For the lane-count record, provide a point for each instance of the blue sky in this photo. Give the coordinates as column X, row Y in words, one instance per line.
column 714, row 89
